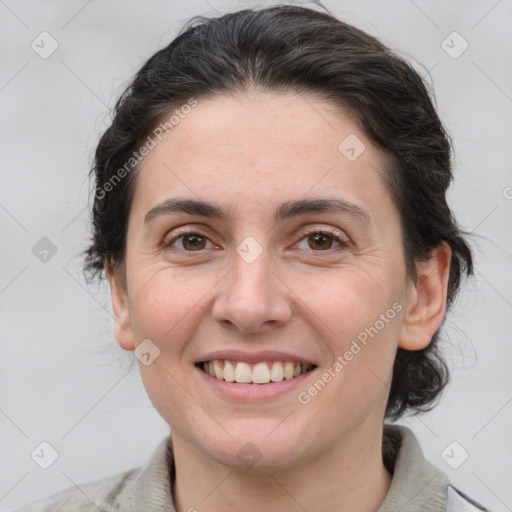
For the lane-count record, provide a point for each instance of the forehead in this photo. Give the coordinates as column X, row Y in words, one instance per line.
column 260, row 150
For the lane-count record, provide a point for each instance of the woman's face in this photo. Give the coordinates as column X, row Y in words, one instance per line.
column 277, row 280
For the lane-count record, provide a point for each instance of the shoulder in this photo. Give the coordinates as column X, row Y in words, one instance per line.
column 98, row 496
column 457, row 501
column 136, row 489
column 417, row 485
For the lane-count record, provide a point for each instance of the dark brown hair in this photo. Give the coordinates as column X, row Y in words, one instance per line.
column 295, row 49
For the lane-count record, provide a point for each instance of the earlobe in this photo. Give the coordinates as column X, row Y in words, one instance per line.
column 426, row 302
column 122, row 322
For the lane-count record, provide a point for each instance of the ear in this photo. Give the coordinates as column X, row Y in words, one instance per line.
column 122, row 326
column 426, row 303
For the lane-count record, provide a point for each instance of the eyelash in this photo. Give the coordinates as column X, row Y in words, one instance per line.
column 331, row 233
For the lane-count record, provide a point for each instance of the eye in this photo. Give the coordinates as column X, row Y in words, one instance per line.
column 191, row 241
column 320, row 240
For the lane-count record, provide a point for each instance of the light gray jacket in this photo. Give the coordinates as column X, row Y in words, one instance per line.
column 417, row 486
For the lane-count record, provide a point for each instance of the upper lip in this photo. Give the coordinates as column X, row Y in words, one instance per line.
column 254, row 357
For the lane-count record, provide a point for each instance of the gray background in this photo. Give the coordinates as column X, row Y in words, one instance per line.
column 63, row 378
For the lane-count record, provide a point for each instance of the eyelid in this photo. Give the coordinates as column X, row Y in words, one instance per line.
column 185, row 230
column 326, row 230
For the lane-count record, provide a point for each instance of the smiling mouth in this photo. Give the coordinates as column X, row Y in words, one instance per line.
column 259, row 373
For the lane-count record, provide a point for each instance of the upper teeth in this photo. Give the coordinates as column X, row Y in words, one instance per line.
column 259, row 373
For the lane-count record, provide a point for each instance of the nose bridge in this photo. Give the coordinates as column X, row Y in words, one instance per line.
column 251, row 273
column 251, row 297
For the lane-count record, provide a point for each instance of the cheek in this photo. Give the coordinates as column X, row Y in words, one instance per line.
column 359, row 321
column 163, row 304
column 164, row 308
column 348, row 304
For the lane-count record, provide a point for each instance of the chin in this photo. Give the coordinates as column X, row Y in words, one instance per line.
column 256, row 447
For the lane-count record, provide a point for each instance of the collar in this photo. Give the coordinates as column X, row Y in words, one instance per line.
column 417, row 485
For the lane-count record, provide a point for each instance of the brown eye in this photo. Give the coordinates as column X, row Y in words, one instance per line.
column 321, row 240
column 188, row 241
column 193, row 242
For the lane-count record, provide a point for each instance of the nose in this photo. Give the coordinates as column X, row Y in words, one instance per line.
column 252, row 297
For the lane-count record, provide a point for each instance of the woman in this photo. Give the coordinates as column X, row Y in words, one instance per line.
column 270, row 214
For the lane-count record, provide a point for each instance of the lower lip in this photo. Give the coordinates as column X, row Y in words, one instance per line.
column 253, row 392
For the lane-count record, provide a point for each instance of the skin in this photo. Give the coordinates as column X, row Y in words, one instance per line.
column 252, row 153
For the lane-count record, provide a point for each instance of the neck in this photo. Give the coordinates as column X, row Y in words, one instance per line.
column 350, row 476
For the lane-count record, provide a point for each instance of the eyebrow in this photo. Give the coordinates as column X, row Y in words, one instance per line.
column 286, row 210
